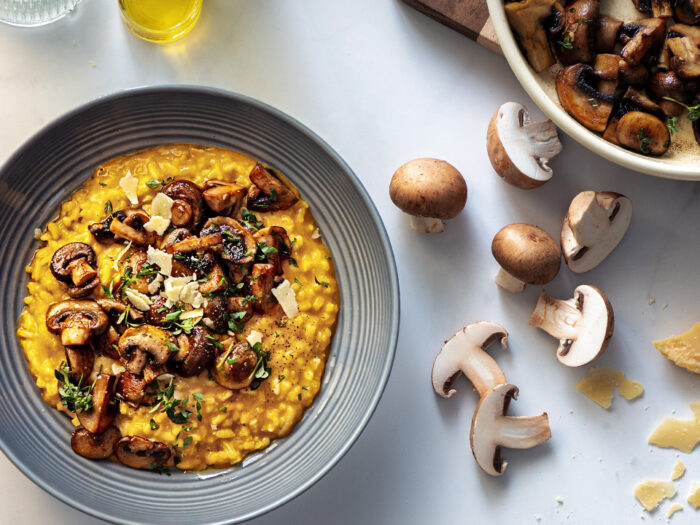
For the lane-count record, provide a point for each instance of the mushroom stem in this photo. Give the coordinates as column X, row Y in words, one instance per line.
column 483, row 371
column 508, row 282
column 556, row 317
column 427, row 224
column 523, row 432
column 81, row 272
column 545, row 141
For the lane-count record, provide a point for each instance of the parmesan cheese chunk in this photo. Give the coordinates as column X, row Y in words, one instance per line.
column 287, row 298
column 140, row 301
column 681, row 434
column 601, row 382
column 157, row 224
column 162, row 206
column 683, row 349
column 175, row 291
column 190, row 294
column 254, row 337
column 154, row 285
column 316, row 234
column 129, row 184
column 651, row 493
column 678, row 470
column 673, row 509
column 120, row 255
column 161, row 259
column 694, row 496
column 193, row 314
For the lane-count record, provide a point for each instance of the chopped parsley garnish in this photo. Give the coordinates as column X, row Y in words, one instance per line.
column 160, row 469
column 273, row 195
column 230, row 237
column 321, row 283
column 672, row 125
column 282, row 377
column 644, row 142
column 173, row 347
column 187, row 442
column 175, row 409
column 693, row 111
column 223, row 409
column 108, row 291
column 236, row 322
column 214, row 341
column 304, row 387
column 108, row 208
column 293, row 262
column 267, row 250
column 250, row 221
column 298, row 281
column 173, row 316
column 147, row 270
column 74, row 396
column 299, row 397
column 154, row 425
column 153, row 183
column 260, row 371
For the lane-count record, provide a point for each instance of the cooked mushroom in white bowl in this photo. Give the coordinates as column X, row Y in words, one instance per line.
column 622, row 78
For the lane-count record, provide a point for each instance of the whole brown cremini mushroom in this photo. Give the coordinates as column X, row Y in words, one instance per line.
column 527, row 255
column 75, row 264
column 430, row 191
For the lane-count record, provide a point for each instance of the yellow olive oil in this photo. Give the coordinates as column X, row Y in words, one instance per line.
column 160, row 20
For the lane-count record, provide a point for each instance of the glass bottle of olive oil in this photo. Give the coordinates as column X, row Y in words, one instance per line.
column 160, row 20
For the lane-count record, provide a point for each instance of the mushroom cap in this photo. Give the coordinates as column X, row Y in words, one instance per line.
column 644, row 133
column 429, row 188
column 222, row 196
column 595, row 327
column 94, row 446
column 67, row 254
column 200, row 355
column 141, row 453
column 593, row 227
column 527, row 253
column 137, row 341
column 519, row 149
column 231, row 250
column 82, row 318
column 238, row 374
column 188, row 208
column 465, row 351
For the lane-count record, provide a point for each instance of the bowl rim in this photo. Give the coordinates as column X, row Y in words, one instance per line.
column 374, row 214
column 526, row 76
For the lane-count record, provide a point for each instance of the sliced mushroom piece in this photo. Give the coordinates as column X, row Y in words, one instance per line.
column 130, row 227
column 633, row 100
column 274, row 244
column 665, row 85
column 642, row 37
column 135, row 261
column 106, row 344
column 579, row 32
column 216, row 313
column 216, row 282
column 262, row 280
column 94, row 446
column 131, row 388
column 583, row 324
column 235, row 365
column 607, row 29
column 192, row 244
column 643, row 6
column 268, row 192
column 593, row 227
column 632, row 75
column 75, row 264
column 643, row 133
column 115, row 309
column 224, row 198
column 144, row 345
column 101, row 230
column 240, row 306
column 76, row 321
column 237, row 245
column 188, row 209
column 527, row 19
column 492, row 429
column 196, row 353
column 156, row 313
column 555, row 23
column 685, row 56
column 576, row 88
column 104, row 407
column 687, row 11
column 81, row 360
column 526, row 254
column 465, row 353
column 661, row 8
column 141, row 453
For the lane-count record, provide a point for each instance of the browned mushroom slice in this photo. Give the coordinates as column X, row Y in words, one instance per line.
column 579, row 33
column 607, row 69
column 215, row 313
column 268, row 192
column 94, row 446
column 643, row 6
column 141, row 453
column 685, row 57
column 188, row 208
column 76, row 321
column 216, row 282
column 261, row 281
column 235, row 365
column 101, row 230
column 107, row 342
column 607, row 29
column 80, row 359
column 644, row 133
column 633, row 100
column 131, row 388
column 274, row 244
column 224, row 198
column 237, row 245
column 633, row 75
column 116, row 308
column 130, row 227
column 104, row 408
column 576, row 87
column 687, row 11
column 196, row 353
column 144, row 345
column 240, row 306
column 527, row 18
column 668, row 85
column 661, row 8
column 74, row 264
column 641, row 37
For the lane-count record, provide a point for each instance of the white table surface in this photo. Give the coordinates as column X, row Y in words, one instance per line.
column 384, row 84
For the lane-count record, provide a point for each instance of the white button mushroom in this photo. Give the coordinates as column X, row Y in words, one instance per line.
column 430, row 191
column 493, row 429
column 593, row 227
column 583, row 324
column 465, row 353
column 520, row 149
column 527, row 255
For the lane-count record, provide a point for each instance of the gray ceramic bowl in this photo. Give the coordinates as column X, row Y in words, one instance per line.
column 55, row 162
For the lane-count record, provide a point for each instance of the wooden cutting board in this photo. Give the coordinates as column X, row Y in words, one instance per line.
column 469, row 17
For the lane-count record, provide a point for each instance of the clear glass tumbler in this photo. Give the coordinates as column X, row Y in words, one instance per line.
column 34, row 12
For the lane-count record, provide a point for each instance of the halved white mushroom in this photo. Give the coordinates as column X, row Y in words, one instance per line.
column 583, row 324
column 493, row 429
column 520, row 149
column 465, row 353
column 593, row 227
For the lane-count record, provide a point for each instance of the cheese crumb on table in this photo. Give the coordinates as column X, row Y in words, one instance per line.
column 650, row 493
column 601, row 383
column 681, row 434
column 683, row 349
column 559, row 500
column 673, row 509
column 694, row 496
column 678, row 470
